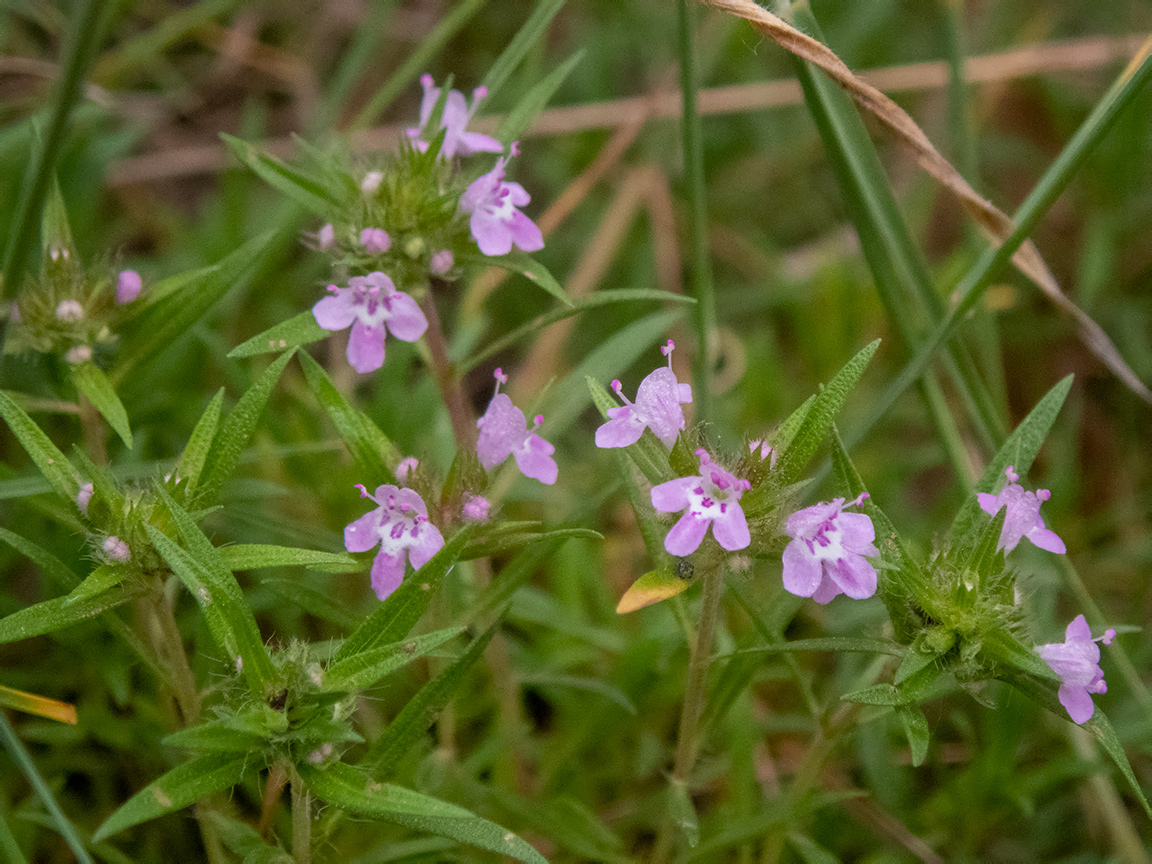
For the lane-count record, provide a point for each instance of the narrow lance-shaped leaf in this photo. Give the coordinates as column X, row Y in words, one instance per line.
column 396, row 616
column 916, row 730
column 363, row 670
column 183, row 785
column 195, row 454
column 349, row 788
column 41, row 706
column 94, row 384
column 1018, row 451
column 225, row 608
column 374, row 453
column 518, row 47
column 527, row 266
column 57, row 470
column 819, row 418
column 53, row 567
column 308, row 192
column 238, row 428
column 535, row 100
column 253, row 556
column 52, row 615
column 298, row 330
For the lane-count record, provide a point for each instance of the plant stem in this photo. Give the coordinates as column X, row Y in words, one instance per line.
column 707, row 346
column 687, row 743
column 92, row 425
column 463, row 423
column 301, row 820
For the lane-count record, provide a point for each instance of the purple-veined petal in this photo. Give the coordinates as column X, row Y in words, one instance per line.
column 364, row 533
column 366, row 347
column 855, row 576
column 491, row 235
column 658, row 405
column 387, row 573
column 623, row 429
column 1077, row 702
column 827, row 591
column 406, row 322
column 534, row 459
column 429, row 541
column 671, row 497
column 524, row 232
column 686, row 535
column 802, row 572
column 731, row 528
column 336, row 311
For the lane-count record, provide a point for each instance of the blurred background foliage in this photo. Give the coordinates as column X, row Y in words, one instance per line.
column 578, row 768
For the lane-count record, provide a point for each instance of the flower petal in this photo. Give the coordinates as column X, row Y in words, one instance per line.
column 492, row 235
column 625, row 428
column 827, row 591
column 854, row 575
column 524, row 232
column 405, row 321
column 364, row 533
column 429, row 541
column 502, row 428
column 802, row 572
column 730, row 528
column 534, row 459
column 671, row 497
column 658, row 405
column 387, row 573
column 366, row 347
column 1078, row 703
column 1047, row 539
column 336, row 311
column 685, row 536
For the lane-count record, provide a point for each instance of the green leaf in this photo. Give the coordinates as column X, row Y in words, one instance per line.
column 819, row 418
column 215, row 589
column 1018, row 451
column 195, row 454
column 395, row 617
column 238, row 428
column 353, row 790
column 809, row 850
column 244, row 840
column 682, row 811
column 53, row 567
column 308, row 192
column 183, row 785
column 61, row 612
column 526, row 266
column 363, row 670
column 299, row 330
column 916, row 730
column 253, row 556
column 375, row 455
column 535, row 100
column 409, row 726
column 1102, row 731
column 519, row 46
column 101, row 579
column 57, row 470
column 510, row 578
column 216, row 736
column 502, row 542
column 312, row 601
column 828, row 643
column 94, row 384
column 179, row 302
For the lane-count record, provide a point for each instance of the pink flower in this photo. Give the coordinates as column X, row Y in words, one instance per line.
column 496, row 223
column 1077, row 661
column 375, row 241
column 457, row 114
column 371, row 182
column 1023, row 518
column 368, row 304
column 504, row 432
column 69, row 310
column 83, row 497
column 442, row 263
column 712, row 499
column 326, row 236
column 657, row 407
column 407, row 466
column 475, row 508
column 117, row 549
column 400, row 525
column 128, row 285
column 828, row 550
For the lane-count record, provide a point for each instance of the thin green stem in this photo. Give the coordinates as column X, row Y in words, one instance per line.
column 28, row 768
column 1035, row 206
column 963, row 141
column 687, row 738
column 702, row 290
column 9, row 850
column 301, row 820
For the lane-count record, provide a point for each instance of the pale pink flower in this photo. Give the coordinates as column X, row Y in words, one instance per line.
column 475, row 508
column 128, row 286
column 400, row 525
column 78, row 354
column 83, row 497
column 371, row 182
column 406, row 467
column 370, row 304
column 495, row 222
column 1023, row 518
column 1077, row 661
column 458, row 141
column 829, row 551
column 117, row 549
column 326, row 236
column 504, row 432
column 442, row 263
column 712, row 498
column 375, row 241
column 69, row 310
column 657, row 407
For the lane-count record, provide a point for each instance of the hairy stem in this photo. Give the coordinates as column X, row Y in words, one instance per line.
column 301, row 820
column 463, row 423
column 687, row 737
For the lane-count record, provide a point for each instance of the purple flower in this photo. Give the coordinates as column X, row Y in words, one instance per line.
column 442, row 263
column 1023, row 518
column 827, row 555
column 371, row 182
column 657, row 407
column 1077, row 661
column 375, row 241
column 368, row 304
column 504, row 432
column 712, row 499
column 766, row 451
column 496, row 223
column 326, row 236
column 400, row 525
column 475, row 508
column 128, row 285
column 117, row 549
column 69, row 310
column 457, row 113
column 407, row 466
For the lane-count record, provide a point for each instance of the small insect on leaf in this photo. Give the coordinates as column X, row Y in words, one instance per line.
column 656, row 585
